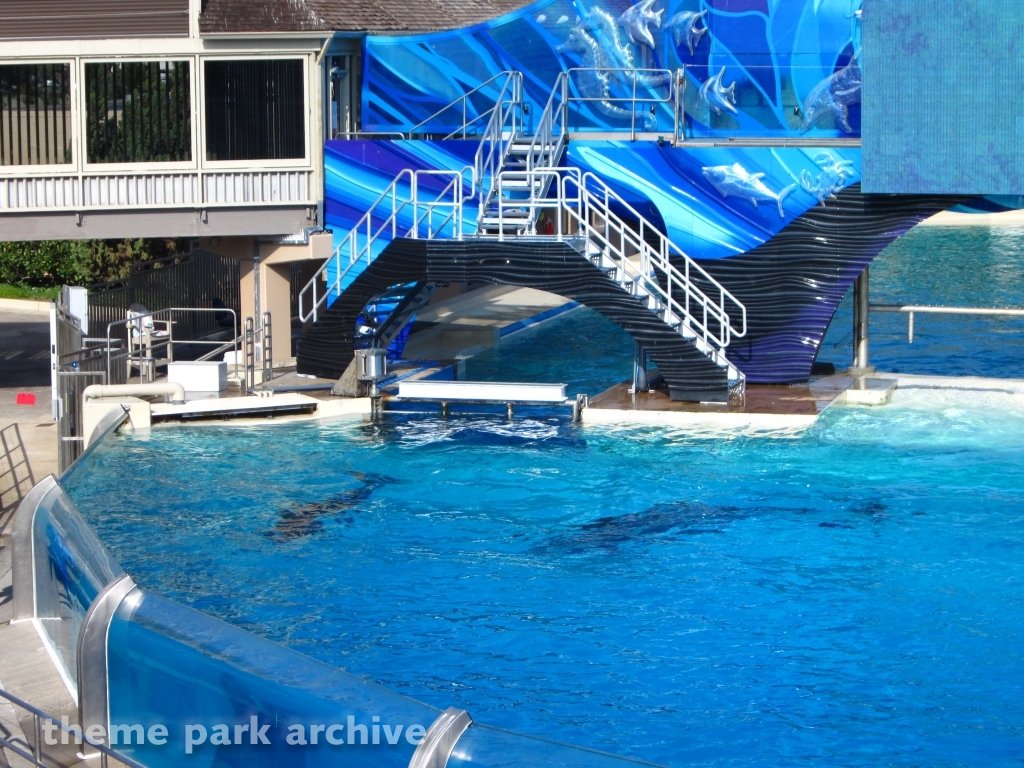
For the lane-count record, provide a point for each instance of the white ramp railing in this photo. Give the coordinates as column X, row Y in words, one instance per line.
column 637, row 255
column 407, row 208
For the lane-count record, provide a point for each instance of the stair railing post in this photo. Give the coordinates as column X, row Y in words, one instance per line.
column 632, row 111
column 415, row 195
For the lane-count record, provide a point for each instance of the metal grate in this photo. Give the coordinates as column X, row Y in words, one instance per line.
column 35, row 114
column 138, row 112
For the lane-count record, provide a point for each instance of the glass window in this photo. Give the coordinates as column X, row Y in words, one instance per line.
column 35, row 114
column 138, row 112
column 255, row 110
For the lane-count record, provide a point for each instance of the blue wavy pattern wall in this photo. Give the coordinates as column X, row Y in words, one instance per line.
column 713, row 202
column 752, row 67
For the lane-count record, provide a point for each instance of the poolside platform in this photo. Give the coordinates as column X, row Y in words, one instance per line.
column 763, row 407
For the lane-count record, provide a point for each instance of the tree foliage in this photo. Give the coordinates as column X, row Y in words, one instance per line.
column 77, row 262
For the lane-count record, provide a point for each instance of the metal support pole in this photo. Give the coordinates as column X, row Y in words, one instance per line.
column 861, row 317
column 256, row 276
column 639, row 369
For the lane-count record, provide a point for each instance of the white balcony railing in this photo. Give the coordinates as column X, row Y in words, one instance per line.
column 172, row 189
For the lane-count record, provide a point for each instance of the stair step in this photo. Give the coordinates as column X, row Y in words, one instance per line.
column 489, row 217
column 521, row 184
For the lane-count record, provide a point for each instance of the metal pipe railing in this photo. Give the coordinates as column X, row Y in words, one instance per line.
column 463, row 101
column 136, row 327
column 912, row 309
column 402, row 195
column 34, row 753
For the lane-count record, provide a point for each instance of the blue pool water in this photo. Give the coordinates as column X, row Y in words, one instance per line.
column 854, row 596
column 953, row 266
column 950, row 266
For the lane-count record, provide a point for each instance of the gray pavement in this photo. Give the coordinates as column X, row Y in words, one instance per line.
column 28, row 452
column 28, row 434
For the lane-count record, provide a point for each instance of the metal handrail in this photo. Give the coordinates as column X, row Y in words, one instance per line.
column 552, row 127
column 912, row 309
column 164, row 315
column 464, row 99
column 681, row 298
column 654, row 78
column 358, row 243
column 667, row 248
column 36, row 756
column 503, row 127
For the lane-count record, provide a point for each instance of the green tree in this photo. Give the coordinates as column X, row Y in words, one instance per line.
column 77, row 262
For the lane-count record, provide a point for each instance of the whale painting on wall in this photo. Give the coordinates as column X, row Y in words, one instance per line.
column 791, row 64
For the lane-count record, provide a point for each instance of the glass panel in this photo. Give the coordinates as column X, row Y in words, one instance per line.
column 72, row 568
column 255, row 110
column 484, row 747
column 170, row 665
column 35, row 114
column 801, row 100
column 138, row 112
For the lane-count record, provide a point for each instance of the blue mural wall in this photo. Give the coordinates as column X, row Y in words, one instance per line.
column 713, row 202
column 752, row 67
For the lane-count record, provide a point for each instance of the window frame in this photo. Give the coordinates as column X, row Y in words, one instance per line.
column 298, row 163
column 53, row 169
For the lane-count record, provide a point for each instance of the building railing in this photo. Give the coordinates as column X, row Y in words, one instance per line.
column 912, row 309
column 44, row 190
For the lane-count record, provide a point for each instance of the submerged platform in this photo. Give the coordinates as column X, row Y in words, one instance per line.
column 764, row 406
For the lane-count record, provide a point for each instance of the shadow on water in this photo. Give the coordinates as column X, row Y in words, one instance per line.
column 296, row 522
column 680, row 518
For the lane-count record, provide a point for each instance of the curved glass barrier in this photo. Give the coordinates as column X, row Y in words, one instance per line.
column 482, row 746
column 221, row 696
column 71, row 568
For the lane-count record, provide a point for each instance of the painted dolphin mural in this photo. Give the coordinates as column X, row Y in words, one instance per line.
column 637, row 21
column 594, row 82
column 832, row 178
column 734, row 181
column 717, row 97
column 833, row 96
column 685, row 28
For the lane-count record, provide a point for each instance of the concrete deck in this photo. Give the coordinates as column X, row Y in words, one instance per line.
column 28, row 452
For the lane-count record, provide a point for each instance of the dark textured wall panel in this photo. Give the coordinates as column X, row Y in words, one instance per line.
column 792, row 284
column 83, row 19
column 942, row 96
column 325, row 348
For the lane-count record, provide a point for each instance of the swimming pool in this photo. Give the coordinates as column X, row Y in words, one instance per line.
column 849, row 597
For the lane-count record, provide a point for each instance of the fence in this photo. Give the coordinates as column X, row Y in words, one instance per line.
column 194, row 279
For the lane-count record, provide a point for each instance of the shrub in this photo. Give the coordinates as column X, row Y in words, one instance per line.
column 49, row 263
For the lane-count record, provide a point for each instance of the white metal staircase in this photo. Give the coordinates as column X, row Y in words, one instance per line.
column 515, row 179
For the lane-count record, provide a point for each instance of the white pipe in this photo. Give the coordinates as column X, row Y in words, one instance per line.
column 95, row 391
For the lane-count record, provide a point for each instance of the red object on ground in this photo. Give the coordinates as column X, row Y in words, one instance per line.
column 26, row 398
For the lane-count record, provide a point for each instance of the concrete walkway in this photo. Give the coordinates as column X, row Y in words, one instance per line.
column 28, row 452
column 28, row 434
